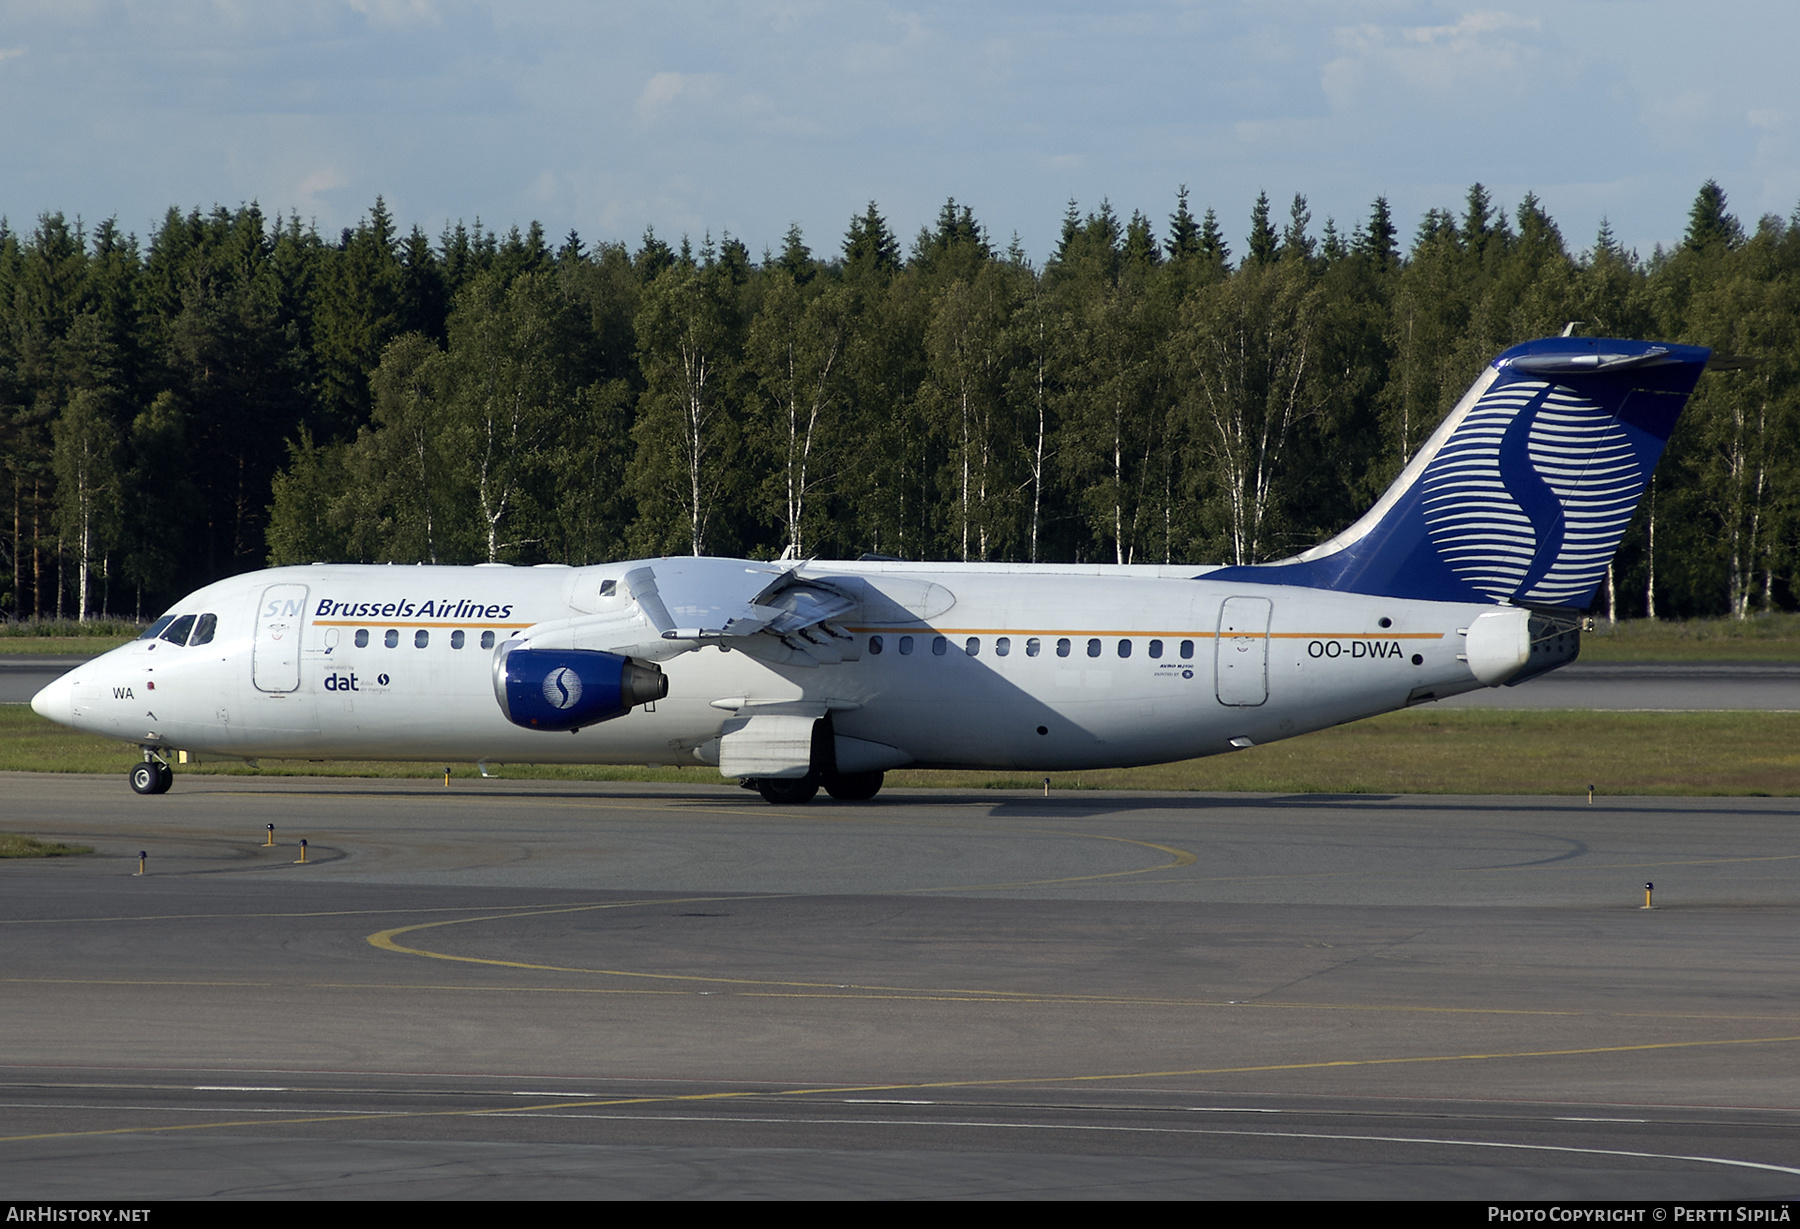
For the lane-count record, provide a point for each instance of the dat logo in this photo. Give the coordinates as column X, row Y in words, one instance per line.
column 341, row 682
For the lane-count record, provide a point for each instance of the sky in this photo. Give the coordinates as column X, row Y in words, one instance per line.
column 607, row 118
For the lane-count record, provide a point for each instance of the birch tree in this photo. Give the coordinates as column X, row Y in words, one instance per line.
column 87, row 486
column 1249, row 390
column 688, row 347
column 795, row 349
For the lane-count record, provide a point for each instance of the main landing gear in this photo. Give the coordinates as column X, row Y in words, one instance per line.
column 794, row 791
column 153, row 776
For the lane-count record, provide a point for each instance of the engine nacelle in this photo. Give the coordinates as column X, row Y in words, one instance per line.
column 565, row 689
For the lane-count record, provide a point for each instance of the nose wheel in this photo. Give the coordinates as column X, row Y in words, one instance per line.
column 152, row 777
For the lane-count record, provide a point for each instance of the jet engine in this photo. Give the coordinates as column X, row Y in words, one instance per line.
column 566, row 689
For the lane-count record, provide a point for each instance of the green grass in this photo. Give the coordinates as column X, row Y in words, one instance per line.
column 66, row 635
column 74, row 646
column 1422, row 751
column 1472, row 751
column 1771, row 637
column 15, row 845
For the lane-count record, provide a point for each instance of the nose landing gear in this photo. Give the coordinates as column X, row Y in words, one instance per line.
column 153, row 776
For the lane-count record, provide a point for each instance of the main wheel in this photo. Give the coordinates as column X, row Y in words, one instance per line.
column 854, row 786
column 145, row 779
column 788, row 791
column 165, row 777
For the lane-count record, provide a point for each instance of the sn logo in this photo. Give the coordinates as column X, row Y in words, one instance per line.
column 279, row 607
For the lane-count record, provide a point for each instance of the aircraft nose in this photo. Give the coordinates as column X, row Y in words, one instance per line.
column 56, row 701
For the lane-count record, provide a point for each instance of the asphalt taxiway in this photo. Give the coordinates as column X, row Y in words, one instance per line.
column 506, row 989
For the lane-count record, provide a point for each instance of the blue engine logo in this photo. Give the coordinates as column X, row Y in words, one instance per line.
column 566, row 689
column 563, row 688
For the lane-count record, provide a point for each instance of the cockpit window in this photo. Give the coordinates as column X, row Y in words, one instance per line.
column 203, row 630
column 179, row 629
column 156, row 629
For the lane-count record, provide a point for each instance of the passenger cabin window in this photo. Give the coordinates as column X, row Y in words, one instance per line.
column 421, row 638
column 1094, row 647
column 487, row 640
column 906, row 646
column 608, row 588
column 392, row 639
column 204, row 629
column 456, row 639
column 874, row 646
column 1003, row 646
column 177, row 632
column 1187, row 648
column 1156, row 648
column 1033, row 647
column 1062, row 647
column 362, row 637
column 939, row 646
column 1124, row 648
column 973, row 645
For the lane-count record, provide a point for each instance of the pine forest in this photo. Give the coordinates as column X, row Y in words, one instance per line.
column 237, row 390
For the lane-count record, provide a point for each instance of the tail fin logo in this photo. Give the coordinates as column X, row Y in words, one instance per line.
column 1529, row 498
column 1524, row 491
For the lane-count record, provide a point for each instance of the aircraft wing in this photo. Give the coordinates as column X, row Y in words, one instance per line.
column 674, row 606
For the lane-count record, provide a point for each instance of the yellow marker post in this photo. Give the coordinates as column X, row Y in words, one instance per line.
column 142, row 854
column 302, row 861
column 270, row 842
column 1046, row 787
column 446, row 776
column 1590, row 795
column 1648, row 887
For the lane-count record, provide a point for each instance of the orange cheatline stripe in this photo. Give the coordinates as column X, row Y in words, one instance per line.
column 902, row 629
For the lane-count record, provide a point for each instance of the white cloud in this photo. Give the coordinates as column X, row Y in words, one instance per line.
column 395, row 13
column 659, row 92
column 314, row 184
column 1479, row 50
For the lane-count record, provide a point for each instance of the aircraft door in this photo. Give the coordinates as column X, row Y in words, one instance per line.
column 1241, row 671
column 275, row 658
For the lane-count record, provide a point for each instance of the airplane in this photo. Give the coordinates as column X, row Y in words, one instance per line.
column 1471, row 571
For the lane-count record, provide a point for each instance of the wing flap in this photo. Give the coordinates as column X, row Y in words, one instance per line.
column 679, row 604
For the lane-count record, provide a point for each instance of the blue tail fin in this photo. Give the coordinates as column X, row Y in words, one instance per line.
column 1523, row 492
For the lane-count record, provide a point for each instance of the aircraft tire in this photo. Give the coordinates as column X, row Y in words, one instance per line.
column 854, row 786
column 145, row 779
column 788, row 791
column 165, row 777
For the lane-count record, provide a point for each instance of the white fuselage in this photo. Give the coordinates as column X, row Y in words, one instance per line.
column 359, row 662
